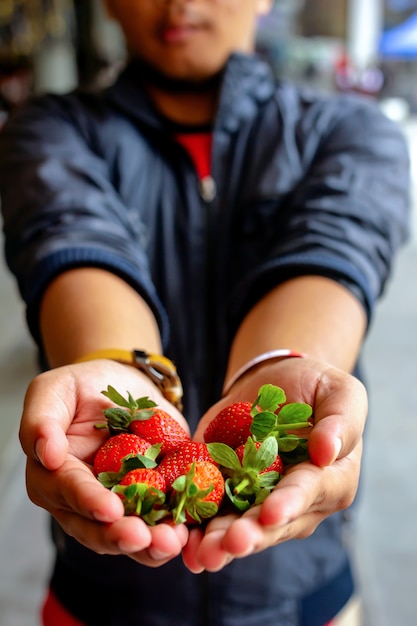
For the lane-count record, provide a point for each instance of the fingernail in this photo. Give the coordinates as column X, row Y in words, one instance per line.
column 337, row 448
column 157, row 555
column 129, row 548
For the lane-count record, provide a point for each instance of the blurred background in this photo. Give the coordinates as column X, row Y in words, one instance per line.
column 363, row 46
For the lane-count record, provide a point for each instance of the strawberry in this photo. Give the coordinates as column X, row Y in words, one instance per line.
column 231, row 426
column 142, row 492
column 143, row 418
column 276, row 466
column 160, row 428
column 111, row 454
column 251, row 472
column 268, row 415
column 176, row 462
column 197, row 494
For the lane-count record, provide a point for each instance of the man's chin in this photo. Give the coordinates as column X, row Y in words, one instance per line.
column 176, row 84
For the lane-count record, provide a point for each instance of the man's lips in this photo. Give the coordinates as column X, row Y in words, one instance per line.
column 178, row 34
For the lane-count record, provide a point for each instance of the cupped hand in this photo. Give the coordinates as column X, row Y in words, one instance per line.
column 309, row 491
column 59, row 437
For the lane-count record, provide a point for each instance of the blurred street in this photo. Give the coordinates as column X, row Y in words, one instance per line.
column 385, row 535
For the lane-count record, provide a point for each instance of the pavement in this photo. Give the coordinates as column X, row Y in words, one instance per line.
column 385, row 545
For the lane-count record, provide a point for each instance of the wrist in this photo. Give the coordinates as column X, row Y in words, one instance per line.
column 260, row 359
column 159, row 369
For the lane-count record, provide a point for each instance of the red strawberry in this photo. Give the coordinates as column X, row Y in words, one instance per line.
column 143, row 418
column 197, row 494
column 276, row 466
column 143, row 491
column 160, row 427
column 251, row 471
column 110, row 455
column 176, row 462
column 231, row 426
column 269, row 415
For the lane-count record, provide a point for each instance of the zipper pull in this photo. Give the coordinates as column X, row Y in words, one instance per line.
column 207, row 188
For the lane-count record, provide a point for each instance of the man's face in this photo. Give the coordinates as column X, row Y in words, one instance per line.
column 187, row 39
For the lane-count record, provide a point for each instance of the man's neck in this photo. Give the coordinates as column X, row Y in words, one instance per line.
column 182, row 101
column 194, row 109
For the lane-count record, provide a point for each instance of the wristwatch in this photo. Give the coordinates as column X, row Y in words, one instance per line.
column 158, row 368
column 162, row 372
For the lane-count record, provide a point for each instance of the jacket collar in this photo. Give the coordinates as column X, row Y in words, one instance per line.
column 247, row 80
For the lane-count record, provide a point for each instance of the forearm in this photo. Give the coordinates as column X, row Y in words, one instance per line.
column 309, row 314
column 89, row 309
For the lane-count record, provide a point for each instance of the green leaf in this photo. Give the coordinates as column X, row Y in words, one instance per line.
column 261, row 496
column 142, row 490
column 116, row 397
column 155, row 515
column 298, row 455
column 192, row 490
column 266, row 454
column 142, row 415
column 289, row 443
column 179, row 483
column 268, row 480
column 130, row 491
column 294, row 412
column 130, row 403
column 270, row 397
column 249, row 453
column 136, row 461
column 110, row 479
column 224, row 455
column 117, row 418
column 144, row 403
column 263, row 424
column 206, row 509
column 241, row 504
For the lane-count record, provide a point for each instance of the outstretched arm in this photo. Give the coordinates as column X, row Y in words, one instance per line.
column 85, row 310
column 316, row 316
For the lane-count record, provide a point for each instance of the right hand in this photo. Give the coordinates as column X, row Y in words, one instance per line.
column 59, row 438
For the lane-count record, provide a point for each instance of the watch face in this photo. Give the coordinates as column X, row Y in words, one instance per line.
column 163, row 374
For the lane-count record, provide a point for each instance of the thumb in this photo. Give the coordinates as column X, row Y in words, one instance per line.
column 325, row 442
column 42, row 434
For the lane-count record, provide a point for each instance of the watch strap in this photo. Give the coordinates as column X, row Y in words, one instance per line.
column 161, row 370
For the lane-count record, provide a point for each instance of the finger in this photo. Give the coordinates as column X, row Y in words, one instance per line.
column 72, row 488
column 308, row 488
column 189, row 553
column 244, row 536
column 45, row 420
column 210, row 553
column 325, row 441
column 127, row 535
column 167, row 541
column 340, row 414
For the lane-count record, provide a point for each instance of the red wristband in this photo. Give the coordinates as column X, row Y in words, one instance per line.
column 283, row 353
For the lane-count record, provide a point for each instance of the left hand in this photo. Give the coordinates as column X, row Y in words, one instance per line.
column 309, row 491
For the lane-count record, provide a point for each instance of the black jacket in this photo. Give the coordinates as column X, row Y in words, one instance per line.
column 303, row 184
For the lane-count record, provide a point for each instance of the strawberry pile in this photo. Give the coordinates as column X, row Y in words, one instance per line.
column 159, row 473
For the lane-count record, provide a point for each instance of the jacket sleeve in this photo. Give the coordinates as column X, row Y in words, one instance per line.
column 345, row 211
column 59, row 209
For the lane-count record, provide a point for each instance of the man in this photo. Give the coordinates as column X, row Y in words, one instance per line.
column 198, row 210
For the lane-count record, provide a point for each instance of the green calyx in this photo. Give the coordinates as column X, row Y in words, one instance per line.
column 143, row 501
column 247, row 483
column 273, row 417
column 187, row 498
column 119, row 419
column 130, row 462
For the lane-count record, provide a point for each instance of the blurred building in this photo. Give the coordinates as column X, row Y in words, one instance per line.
column 54, row 45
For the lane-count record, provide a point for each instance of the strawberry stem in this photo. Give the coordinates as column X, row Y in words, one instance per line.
column 245, row 482
column 294, row 426
column 179, row 508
